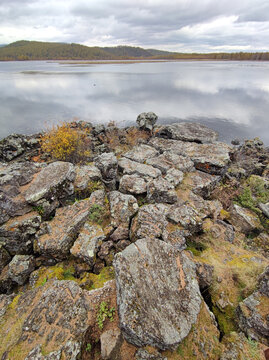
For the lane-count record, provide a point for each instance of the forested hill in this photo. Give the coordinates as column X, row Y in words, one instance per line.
column 36, row 50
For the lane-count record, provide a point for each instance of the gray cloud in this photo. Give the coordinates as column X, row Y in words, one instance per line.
column 178, row 25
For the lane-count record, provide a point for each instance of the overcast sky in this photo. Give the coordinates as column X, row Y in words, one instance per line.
column 176, row 25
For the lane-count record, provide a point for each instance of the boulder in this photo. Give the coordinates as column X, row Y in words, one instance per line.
column 174, row 176
column 141, row 153
column 122, row 208
column 146, row 121
column 187, row 131
column 130, row 167
column 150, row 222
column 201, row 183
column 85, row 175
column 88, row 242
column 169, row 160
column 58, row 235
column 157, row 292
column 244, row 219
column 16, row 272
column 107, row 163
column 20, row 268
column 133, row 184
column 15, row 145
column 186, row 216
column 252, row 314
column 52, row 184
column 17, row 234
column 161, row 191
column 211, row 158
column 56, row 316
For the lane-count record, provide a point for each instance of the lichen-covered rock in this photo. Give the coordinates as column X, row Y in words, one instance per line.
column 16, row 272
column 161, row 191
column 169, row 160
column 88, row 242
column 188, row 131
column 107, row 163
column 58, row 235
column 130, row 167
column 133, row 184
column 146, row 121
column 85, row 175
column 150, row 222
column 174, row 176
column 185, row 215
column 205, row 275
column 15, row 145
column 20, row 268
column 211, row 158
column 244, row 219
column 158, row 295
column 141, row 153
column 201, row 183
column 219, row 230
column 52, row 183
column 252, row 316
column 17, row 235
column 55, row 316
column 143, row 354
column 122, row 208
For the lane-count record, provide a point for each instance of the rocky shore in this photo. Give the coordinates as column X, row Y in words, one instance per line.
column 154, row 247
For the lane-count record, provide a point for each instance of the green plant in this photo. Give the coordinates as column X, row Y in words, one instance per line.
column 39, row 209
column 104, row 313
column 96, row 214
column 89, row 347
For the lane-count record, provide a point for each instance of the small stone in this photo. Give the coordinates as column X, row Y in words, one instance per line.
column 20, row 268
column 110, row 340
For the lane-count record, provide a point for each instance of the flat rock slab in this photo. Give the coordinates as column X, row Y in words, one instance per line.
column 157, row 293
column 53, row 180
column 141, row 153
column 169, row 160
column 211, row 158
column 130, row 167
column 133, row 184
column 188, row 132
column 61, row 232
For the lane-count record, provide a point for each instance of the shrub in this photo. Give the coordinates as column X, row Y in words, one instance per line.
column 65, row 143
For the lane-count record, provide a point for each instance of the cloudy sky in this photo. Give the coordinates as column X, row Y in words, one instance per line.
column 176, row 25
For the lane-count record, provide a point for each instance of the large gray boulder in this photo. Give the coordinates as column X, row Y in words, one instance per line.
column 107, row 163
column 130, row 167
column 211, row 158
column 150, row 222
column 188, row 131
column 146, row 121
column 58, row 235
column 157, row 294
column 141, row 153
column 53, row 182
column 17, row 234
column 161, row 191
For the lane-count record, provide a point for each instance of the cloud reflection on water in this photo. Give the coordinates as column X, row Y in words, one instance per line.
column 232, row 97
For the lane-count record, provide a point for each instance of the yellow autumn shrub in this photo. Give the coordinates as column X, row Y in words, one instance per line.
column 66, row 143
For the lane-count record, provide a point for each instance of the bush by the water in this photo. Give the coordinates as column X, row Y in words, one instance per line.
column 65, row 143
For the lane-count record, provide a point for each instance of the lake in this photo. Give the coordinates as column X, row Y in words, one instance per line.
column 230, row 97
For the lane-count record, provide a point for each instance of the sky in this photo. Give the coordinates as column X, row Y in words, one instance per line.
column 173, row 25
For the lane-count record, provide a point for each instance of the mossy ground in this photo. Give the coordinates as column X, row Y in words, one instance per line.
column 235, row 275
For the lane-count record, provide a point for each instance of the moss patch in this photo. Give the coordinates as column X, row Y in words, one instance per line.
column 92, row 281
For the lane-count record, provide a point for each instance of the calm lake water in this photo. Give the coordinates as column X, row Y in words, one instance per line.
column 231, row 97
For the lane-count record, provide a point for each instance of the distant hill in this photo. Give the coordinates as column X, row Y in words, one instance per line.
column 37, row 50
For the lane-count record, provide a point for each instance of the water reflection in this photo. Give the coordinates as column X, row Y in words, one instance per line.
column 233, row 98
